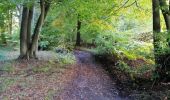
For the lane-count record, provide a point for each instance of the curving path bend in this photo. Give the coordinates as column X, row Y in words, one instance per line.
column 91, row 81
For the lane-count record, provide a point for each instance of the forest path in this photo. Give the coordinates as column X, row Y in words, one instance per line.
column 91, row 81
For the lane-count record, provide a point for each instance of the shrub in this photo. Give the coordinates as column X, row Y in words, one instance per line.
column 66, row 58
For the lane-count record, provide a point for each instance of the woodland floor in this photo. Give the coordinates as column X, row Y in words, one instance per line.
column 46, row 79
column 90, row 81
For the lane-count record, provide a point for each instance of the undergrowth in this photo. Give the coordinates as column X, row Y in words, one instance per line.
column 133, row 55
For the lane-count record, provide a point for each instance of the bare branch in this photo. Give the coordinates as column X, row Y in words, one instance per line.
column 122, row 5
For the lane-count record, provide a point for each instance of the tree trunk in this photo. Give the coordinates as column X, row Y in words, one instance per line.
column 37, row 29
column 23, row 32
column 156, row 31
column 10, row 22
column 159, row 58
column 164, row 58
column 156, row 27
column 28, row 43
column 166, row 14
column 29, row 29
column 167, row 21
column 47, row 7
column 78, row 39
column 165, row 8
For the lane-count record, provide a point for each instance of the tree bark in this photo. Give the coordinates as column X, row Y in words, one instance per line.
column 29, row 43
column 10, row 21
column 165, row 8
column 159, row 58
column 23, row 32
column 37, row 29
column 47, row 7
column 78, row 38
column 165, row 11
column 156, row 27
column 164, row 58
column 29, row 31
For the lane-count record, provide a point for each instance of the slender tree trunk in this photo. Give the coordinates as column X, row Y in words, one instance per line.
column 165, row 8
column 44, row 10
column 167, row 21
column 78, row 38
column 165, row 11
column 10, row 22
column 47, row 7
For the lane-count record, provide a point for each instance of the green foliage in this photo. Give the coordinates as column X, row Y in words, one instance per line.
column 66, row 58
column 112, row 28
column 60, row 29
column 139, row 71
column 104, row 44
column 163, row 43
column 44, row 44
column 14, row 38
column 3, row 38
column 123, row 66
column 9, row 39
column 122, row 45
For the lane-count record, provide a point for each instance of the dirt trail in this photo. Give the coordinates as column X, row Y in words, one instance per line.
column 91, row 81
